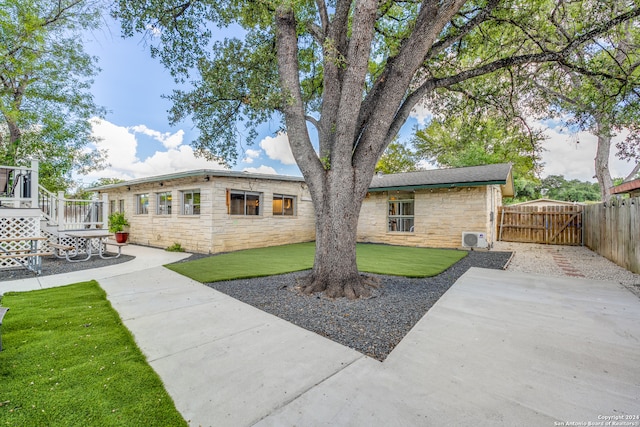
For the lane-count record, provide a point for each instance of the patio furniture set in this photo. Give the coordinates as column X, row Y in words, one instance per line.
column 26, row 251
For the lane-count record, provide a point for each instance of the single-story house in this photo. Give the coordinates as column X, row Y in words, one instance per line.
column 433, row 208
column 212, row 211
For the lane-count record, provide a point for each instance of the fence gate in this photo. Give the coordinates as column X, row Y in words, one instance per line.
column 554, row 225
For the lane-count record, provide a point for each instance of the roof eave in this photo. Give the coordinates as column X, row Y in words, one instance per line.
column 196, row 173
column 440, row 185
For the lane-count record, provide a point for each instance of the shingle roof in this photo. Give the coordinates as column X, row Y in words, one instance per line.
column 441, row 178
column 626, row 187
column 196, row 173
column 437, row 178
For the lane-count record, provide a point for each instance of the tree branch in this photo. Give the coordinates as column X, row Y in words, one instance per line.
column 558, row 95
column 333, row 47
column 431, row 19
column 482, row 16
column 315, row 122
column 293, row 105
column 324, row 16
column 559, row 56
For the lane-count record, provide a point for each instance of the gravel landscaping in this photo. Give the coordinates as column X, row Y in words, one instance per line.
column 539, row 259
column 53, row 265
column 372, row 326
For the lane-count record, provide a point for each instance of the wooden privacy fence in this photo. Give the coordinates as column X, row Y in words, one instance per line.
column 554, row 225
column 613, row 231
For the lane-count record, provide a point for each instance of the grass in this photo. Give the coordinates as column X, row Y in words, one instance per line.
column 379, row 259
column 406, row 261
column 69, row 361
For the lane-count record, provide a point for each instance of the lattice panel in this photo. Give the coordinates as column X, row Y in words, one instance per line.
column 51, row 238
column 11, row 228
column 65, row 240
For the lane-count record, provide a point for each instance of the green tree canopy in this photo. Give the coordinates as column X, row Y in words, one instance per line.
column 471, row 140
column 556, row 187
column 397, row 158
column 45, row 77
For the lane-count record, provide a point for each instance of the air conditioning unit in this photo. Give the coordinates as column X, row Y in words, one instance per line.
column 472, row 239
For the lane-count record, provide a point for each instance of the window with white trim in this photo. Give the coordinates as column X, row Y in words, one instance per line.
column 284, row 205
column 400, row 212
column 190, row 202
column 244, row 202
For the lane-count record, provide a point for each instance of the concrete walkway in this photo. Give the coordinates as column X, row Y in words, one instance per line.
column 499, row 348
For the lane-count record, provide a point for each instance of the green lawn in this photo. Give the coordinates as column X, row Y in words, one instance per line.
column 379, row 259
column 69, row 361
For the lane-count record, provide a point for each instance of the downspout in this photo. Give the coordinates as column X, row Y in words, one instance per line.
column 492, row 215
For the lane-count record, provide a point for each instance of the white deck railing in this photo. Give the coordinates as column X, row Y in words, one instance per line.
column 19, row 188
column 74, row 214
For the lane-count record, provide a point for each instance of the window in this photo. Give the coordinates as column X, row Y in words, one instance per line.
column 112, row 206
column 190, row 202
column 401, row 212
column 142, row 204
column 163, row 205
column 244, row 203
column 284, row 205
column 121, row 205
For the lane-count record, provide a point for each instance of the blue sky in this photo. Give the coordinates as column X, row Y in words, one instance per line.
column 139, row 141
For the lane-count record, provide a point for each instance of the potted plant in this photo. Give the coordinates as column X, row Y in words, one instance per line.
column 117, row 224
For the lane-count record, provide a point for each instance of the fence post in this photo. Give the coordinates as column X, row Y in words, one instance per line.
column 35, row 165
column 105, row 211
column 61, row 211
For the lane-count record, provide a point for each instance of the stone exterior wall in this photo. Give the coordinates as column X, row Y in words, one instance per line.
column 441, row 215
column 234, row 232
column 215, row 230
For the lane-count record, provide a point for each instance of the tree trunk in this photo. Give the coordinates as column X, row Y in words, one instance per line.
column 335, row 271
column 603, row 175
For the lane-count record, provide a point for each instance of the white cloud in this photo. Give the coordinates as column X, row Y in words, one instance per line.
column 278, row 148
column 168, row 140
column 572, row 155
column 153, row 30
column 121, row 145
column 251, row 155
column 421, row 114
column 261, row 169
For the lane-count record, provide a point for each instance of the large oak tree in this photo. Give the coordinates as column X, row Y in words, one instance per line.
column 345, row 76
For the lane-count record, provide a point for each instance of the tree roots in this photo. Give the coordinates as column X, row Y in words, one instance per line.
column 355, row 288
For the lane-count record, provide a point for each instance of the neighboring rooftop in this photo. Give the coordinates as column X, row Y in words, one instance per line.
column 497, row 174
column 631, row 187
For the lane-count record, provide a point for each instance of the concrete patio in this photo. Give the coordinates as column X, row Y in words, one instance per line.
column 499, row 348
